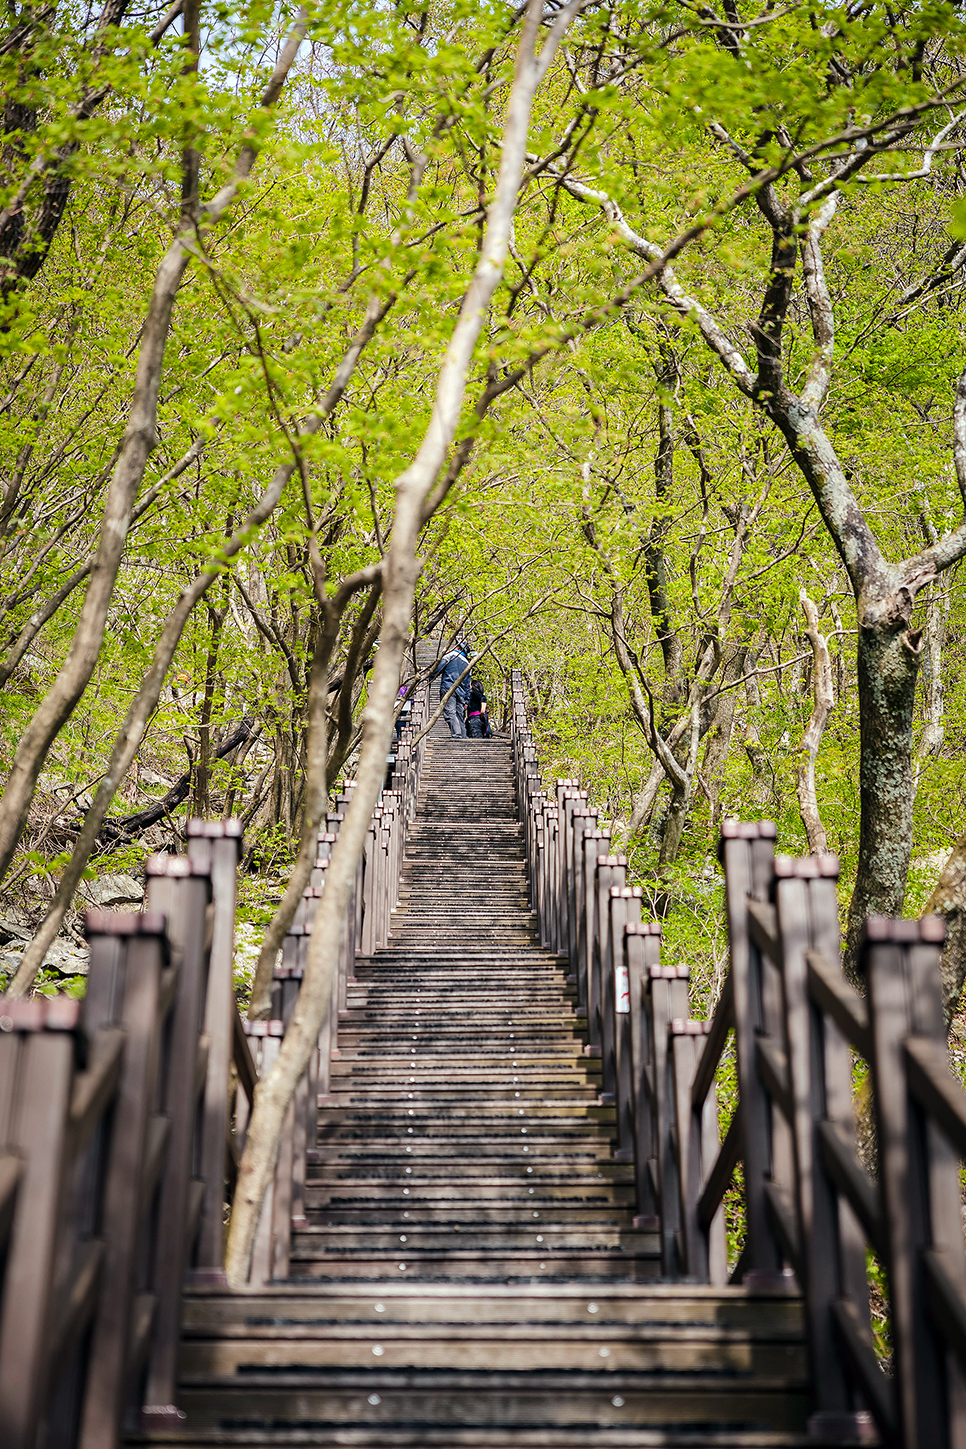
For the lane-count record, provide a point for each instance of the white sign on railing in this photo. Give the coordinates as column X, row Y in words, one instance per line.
column 623, row 985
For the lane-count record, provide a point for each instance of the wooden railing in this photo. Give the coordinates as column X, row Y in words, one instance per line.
column 800, row 1037
column 122, row 1118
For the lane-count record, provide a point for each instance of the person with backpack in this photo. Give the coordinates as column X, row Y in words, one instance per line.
column 449, row 669
column 477, row 719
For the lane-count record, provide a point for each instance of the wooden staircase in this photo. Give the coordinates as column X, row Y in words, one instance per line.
column 469, row 1272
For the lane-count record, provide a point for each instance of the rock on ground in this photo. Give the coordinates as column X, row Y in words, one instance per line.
column 112, row 891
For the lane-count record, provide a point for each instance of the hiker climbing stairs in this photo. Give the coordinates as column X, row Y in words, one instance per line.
column 468, row 1270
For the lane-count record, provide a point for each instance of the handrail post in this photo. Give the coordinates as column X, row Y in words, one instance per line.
column 573, row 801
column 820, row 1084
column 702, row 1255
column 642, row 943
column 625, row 909
column 128, row 954
column 747, row 849
column 667, row 998
column 918, row 1173
column 596, row 843
column 37, row 1060
column 367, row 938
column 562, row 793
column 180, row 889
column 551, row 818
column 218, row 845
column 611, row 872
column 585, row 821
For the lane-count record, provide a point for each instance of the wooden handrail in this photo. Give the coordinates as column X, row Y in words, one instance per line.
column 719, row 1178
column 241, row 1057
column 852, row 1182
column 839, row 1001
column 812, row 1209
column 721, row 1023
column 945, row 1300
column 935, row 1088
column 11, row 1176
column 763, row 929
column 855, row 1341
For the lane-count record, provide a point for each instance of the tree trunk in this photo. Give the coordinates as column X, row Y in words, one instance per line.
column 719, row 742
column 655, row 571
column 888, row 662
column 201, row 804
column 949, row 900
column 934, row 732
column 682, row 788
column 674, row 824
column 645, row 800
column 823, row 700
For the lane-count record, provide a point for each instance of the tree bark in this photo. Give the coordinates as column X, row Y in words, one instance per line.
column 644, row 801
column 949, row 900
column 655, row 571
column 934, row 731
column 202, row 769
column 722, row 727
column 888, row 662
column 682, row 788
column 823, row 697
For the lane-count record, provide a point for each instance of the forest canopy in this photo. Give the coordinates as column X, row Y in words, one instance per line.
column 624, row 340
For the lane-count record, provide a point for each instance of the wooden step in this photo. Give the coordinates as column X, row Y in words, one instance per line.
column 495, row 1192
column 762, row 1312
column 365, row 1399
column 311, row 1259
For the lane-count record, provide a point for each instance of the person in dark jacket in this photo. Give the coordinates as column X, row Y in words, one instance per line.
column 449, row 669
column 477, row 719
